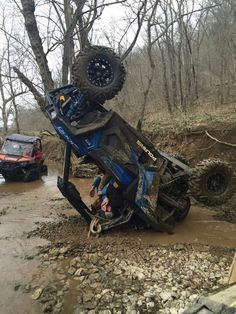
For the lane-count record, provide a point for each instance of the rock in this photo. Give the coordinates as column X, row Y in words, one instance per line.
column 193, row 298
column 148, row 294
column 59, row 305
column 63, row 250
column 37, row 293
column 17, row 286
column 88, row 295
column 54, row 252
column 90, row 305
column 165, row 296
column 71, row 270
column 74, row 261
column 173, row 310
column 218, row 275
column 117, row 272
column 48, row 307
column 150, row 304
column 27, row 288
column 185, row 294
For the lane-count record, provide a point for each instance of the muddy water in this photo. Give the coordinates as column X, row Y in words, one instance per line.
column 23, row 205
column 200, row 227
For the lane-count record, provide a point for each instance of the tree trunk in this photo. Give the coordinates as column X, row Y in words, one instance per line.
column 28, row 8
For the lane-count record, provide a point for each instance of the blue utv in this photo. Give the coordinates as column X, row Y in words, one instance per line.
column 153, row 187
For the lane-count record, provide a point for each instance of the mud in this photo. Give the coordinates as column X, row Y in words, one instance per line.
column 40, row 233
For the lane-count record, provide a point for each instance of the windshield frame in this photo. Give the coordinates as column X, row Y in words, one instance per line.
column 16, row 148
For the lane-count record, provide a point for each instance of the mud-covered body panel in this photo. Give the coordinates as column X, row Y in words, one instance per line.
column 117, row 148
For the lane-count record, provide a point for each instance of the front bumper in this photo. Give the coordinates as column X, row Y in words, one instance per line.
column 13, row 170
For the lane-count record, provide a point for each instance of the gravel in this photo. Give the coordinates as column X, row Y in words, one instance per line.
column 102, row 276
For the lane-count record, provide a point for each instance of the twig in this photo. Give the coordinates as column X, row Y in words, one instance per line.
column 221, row 142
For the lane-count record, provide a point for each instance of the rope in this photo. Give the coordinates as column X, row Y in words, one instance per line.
column 95, row 228
column 96, row 224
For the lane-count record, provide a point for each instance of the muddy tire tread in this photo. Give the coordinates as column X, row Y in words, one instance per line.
column 195, row 182
column 80, row 80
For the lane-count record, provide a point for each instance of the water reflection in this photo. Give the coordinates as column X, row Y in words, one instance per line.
column 20, row 187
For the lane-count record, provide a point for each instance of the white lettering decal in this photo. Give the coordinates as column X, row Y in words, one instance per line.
column 150, row 154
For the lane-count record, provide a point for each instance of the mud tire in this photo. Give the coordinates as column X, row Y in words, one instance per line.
column 81, row 74
column 205, row 185
column 44, row 169
column 31, row 175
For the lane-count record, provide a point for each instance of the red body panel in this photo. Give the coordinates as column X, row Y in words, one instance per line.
column 15, row 159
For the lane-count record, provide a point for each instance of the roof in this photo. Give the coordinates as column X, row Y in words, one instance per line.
column 22, row 138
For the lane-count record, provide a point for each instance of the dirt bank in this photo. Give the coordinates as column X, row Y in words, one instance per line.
column 194, row 144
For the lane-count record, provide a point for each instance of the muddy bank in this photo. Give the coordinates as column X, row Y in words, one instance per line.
column 194, row 144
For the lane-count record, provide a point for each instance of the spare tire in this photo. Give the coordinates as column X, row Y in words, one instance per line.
column 212, row 182
column 98, row 73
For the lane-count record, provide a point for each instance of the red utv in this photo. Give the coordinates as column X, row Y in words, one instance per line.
column 21, row 158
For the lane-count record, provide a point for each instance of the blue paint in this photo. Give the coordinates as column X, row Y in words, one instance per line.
column 83, row 145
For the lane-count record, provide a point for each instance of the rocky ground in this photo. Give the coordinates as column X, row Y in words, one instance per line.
column 113, row 274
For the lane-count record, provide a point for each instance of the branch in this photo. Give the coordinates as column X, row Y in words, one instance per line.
column 180, row 17
column 14, row 96
column 218, row 141
column 140, row 23
column 38, row 97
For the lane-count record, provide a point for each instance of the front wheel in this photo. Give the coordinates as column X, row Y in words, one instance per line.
column 8, row 178
column 212, row 182
column 31, row 175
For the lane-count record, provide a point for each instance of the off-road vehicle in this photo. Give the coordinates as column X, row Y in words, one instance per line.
column 155, row 187
column 21, row 158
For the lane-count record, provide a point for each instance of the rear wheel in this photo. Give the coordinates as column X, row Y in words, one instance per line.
column 99, row 73
column 212, row 182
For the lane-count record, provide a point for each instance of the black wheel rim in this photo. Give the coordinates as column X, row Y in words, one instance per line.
column 217, row 183
column 100, row 72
